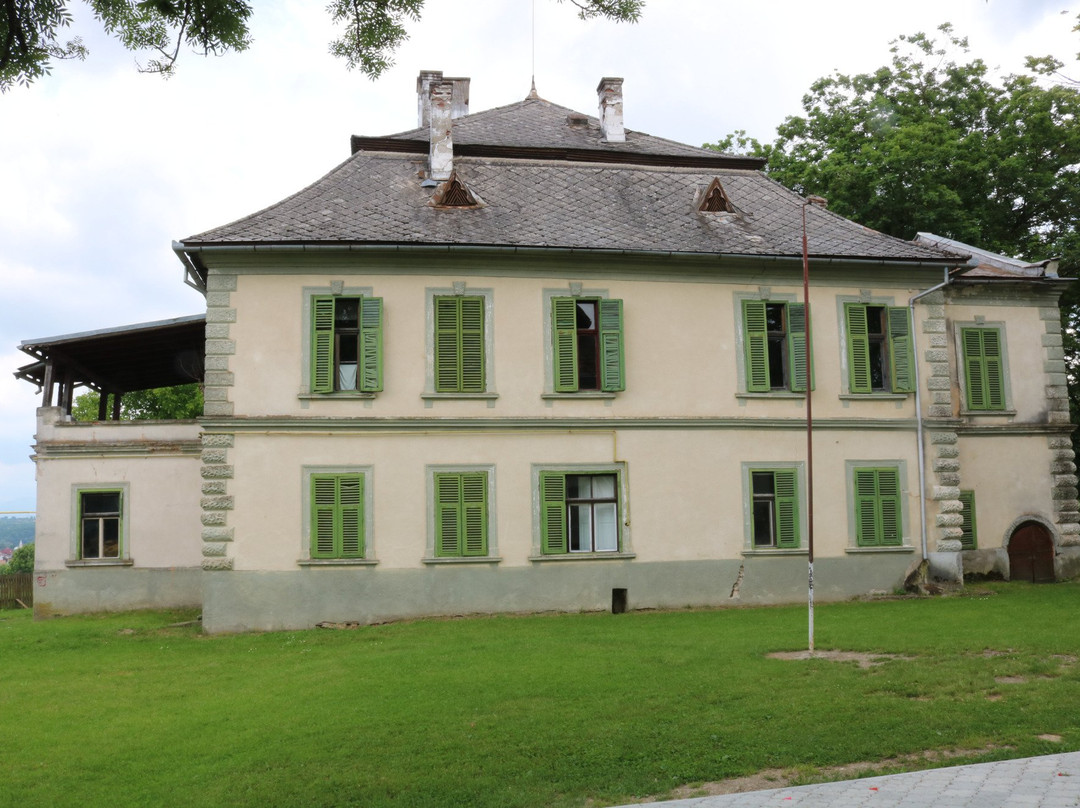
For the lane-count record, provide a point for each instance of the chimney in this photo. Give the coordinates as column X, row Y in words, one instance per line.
column 440, row 108
column 611, row 118
column 459, row 104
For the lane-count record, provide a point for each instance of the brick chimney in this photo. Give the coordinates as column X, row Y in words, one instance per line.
column 459, row 103
column 440, row 113
column 611, row 115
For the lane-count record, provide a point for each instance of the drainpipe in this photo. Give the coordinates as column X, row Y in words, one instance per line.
column 918, row 409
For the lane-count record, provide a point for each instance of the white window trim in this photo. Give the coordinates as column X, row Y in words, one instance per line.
column 905, row 545
column 305, row 559
column 961, row 375
column 307, row 293
column 748, row 508
column 75, row 549
column 625, row 550
column 459, row 289
column 492, row 532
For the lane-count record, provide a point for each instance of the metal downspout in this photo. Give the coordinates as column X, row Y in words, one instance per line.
column 919, row 412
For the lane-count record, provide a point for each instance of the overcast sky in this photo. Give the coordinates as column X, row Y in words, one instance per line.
column 101, row 167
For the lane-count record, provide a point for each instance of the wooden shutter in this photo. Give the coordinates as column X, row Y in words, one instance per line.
column 983, row 368
column 323, row 507
column 797, row 347
column 322, row 344
column 787, row 508
column 901, row 350
column 612, row 370
column 756, row 344
column 337, row 516
column 858, row 347
column 474, row 513
column 564, row 344
column 472, row 344
column 969, row 539
column 351, row 504
column 867, row 517
column 370, row 374
column 447, row 348
column 447, row 514
column 889, row 503
column 553, row 526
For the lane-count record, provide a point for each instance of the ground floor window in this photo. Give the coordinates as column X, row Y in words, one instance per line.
column 969, row 539
column 774, row 508
column 337, row 516
column 579, row 512
column 100, row 524
column 877, row 507
column 461, row 514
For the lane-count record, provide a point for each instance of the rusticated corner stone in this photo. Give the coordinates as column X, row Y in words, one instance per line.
column 943, row 437
column 946, row 464
column 217, row 408
column 216, row 503
column 214, row 487
column 214, row 456
column 218, row 440
column 948, row 451
column 941, row 492
column 216, row 564
column 951, row 506
column 210, row 518
column 948, row 478
column 213, row 550
column 949, row 520
column 217, row 472
column 949, row 546
column 940, row 411
column 1059, row 443
column 217, row 534
column 221, row 283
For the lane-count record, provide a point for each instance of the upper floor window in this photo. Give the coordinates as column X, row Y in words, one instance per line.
column 880, row 355
column 774, row 341
column 459, row 344
column 587, row 335
column 984, row 374
column 346, row 344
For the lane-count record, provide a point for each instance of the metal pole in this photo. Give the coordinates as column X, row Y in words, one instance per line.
column 809, row 428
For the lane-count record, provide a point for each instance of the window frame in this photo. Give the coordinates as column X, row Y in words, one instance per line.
column 855, row 507
column 307, row 557
column 964, row 378
column 744, row 336
column 796, row 472
column 337, row 289
column 540, row 549
column 435, row 554
column 566, row 345
column 123, row 557
column 551, row 360
column 898, row 349
column 431, row 386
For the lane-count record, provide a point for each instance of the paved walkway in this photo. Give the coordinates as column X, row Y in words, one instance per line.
column 1052, row 781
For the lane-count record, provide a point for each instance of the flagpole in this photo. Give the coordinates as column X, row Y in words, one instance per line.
column 809, row 429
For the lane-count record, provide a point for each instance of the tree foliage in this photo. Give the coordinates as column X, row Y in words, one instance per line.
column 32, row 31
column 161, row 404
column 22, row 560
column 929, row 143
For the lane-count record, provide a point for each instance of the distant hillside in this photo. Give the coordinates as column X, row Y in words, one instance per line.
column 16, row 530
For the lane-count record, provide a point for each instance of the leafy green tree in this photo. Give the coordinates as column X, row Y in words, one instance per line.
column 22, row 560
column 928, row 143
column 31, row 31
column 161, row 404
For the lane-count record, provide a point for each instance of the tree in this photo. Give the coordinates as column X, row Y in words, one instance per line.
column 928, row 144
column 31, row 30
column 22, row 560
column 161, row 404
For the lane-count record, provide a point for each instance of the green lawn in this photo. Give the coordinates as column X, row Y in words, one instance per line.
column 550, row 710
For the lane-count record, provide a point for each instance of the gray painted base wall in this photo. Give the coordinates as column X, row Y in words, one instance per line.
column 115, row 589
column 267, row 601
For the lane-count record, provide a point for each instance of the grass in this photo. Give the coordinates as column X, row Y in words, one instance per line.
column 549, row 710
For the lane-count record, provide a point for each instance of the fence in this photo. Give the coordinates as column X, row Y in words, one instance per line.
column 16, row 590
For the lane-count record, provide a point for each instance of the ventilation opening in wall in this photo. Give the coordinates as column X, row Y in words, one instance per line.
column 618, row 601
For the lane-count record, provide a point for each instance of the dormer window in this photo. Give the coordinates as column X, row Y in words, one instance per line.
column 715, row 199
column 454, row 194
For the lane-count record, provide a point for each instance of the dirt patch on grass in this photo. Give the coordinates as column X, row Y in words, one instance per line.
column 864, row 660
column 783, row 778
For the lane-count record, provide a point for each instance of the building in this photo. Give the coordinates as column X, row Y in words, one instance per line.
column 528, row 359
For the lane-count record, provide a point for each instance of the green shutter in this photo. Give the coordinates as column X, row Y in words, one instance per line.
column 797, row 347
column 350, row 503
column 472, row 345
column 447, row 355
column 983, row 368
column 337, row 520
column 901, row 350
column 370, row 373
column 553, row 527
column 612, row 370
column 969, row 540
column 858, row 347
column 877, row 507
column 756, row 344
column 564, row 347
column 787, row 508
column 322, row 344
column 461, row 514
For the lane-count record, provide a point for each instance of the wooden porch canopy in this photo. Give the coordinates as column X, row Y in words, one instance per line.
column 114, row 361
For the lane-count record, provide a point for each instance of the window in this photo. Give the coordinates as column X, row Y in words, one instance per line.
column 346, row 344
column 774, row 509
column 969, row 539
column 588, row 344
column 880, row 354
column 774, row 340
column 579, row 513
column 461, row 514
column 984, row 375
column 877, row 507
column 459, row 345
column 100, row 524
column 337, row 516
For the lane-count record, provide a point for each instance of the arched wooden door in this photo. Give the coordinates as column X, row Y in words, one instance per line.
column 1031, row 554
